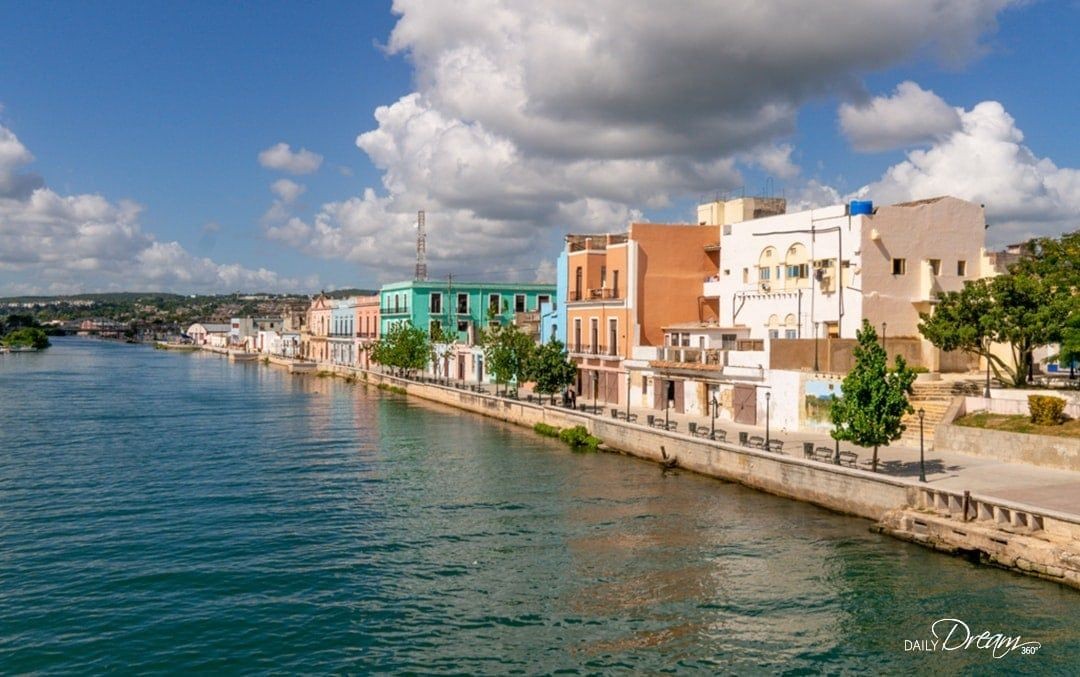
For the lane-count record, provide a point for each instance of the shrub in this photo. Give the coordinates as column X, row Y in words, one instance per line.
column 546, row 430
column 579, row 438
column 1046, row 409
column 920, row 369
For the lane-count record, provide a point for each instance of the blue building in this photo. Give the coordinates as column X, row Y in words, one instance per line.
column 553, row 313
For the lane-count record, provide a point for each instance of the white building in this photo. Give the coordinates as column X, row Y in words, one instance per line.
column 820, row 272
column 202, row 332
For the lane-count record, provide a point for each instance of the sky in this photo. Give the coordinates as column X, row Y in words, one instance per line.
column 220, row 147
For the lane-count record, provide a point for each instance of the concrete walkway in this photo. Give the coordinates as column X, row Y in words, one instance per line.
column 1046, row 488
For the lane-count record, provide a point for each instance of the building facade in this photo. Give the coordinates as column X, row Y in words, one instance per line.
column 314, row 338
column 341, row 340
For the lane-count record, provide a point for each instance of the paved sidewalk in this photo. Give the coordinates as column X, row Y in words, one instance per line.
column 1046, row 488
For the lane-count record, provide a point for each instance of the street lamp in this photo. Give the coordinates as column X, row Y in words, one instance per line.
column 816, row 367
column 595, row 379
column 768, row 397
column 883, row 325
column 628, row 397
column 667, row 401
column 922, row 462
column 712, row 428
column 986, row 394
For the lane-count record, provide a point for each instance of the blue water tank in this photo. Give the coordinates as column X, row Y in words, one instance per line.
column 858, row 207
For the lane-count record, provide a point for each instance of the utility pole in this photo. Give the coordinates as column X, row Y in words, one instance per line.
column 421, row 248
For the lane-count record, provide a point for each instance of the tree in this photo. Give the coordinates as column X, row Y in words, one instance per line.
column 1021, row 309
column 550, row 368
column 507, row 352
column 873, row 398
column 442, row 343
column 403, row 348
column 27, row 336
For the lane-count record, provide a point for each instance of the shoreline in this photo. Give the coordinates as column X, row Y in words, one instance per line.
column 1001, row 533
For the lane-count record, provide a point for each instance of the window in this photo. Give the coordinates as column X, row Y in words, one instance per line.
column 613, row 336
column 594, row 333
column 764, row 273
column 961, row 268
column 435, row 302
column 800, row 271
column 779, row 272
column 542, row 299
column 746, row 275
column 615, row 283
column 577, row 284
column 603, row 276
column 463, row 303
column 686, row 340
column 727, row 341
column 774, row 333
column 519, row 303
column 463, row 325
column 935, row 266
column 790, row 333
column 577, row 335
column 644, row 385
column 899, row 266
column 494, row 301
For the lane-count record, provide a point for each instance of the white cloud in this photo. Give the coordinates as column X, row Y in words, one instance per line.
column 53, row 243
column 280, row 156
column 912, row 115
column 532, row 119
column 985, row 161
column 287, row 191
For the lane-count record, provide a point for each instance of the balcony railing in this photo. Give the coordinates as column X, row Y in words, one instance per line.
column 367, row 334
column 598, row 350
column 601, row 294
column 394, row 310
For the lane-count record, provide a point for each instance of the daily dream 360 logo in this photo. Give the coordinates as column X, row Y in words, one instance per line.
column 953, row 634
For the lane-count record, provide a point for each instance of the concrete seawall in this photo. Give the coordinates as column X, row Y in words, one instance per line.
column 1002, row 533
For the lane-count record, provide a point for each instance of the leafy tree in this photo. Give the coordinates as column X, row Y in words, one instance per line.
column 442, row 343
column 873, row 398
column 550, row 368
column 1023, row 310
column 403, row 348
column 507, row 352
column 27, row 336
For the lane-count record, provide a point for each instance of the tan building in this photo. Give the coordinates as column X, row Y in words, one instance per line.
column 623, row 289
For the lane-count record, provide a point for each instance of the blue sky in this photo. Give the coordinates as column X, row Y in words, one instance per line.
column 169, row 105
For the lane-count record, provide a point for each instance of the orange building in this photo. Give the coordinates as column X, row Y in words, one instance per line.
column 624, row 288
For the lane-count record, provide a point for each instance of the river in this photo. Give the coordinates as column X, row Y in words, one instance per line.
column 174, row 512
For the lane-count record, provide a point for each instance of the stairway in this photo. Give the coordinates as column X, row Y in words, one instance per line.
column 934, row 398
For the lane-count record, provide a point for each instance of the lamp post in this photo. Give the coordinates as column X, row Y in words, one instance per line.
column 768, row 397
column 667, row 401
column 883, row 325
column 712, row 428
column 986, row 394
column 922, row 462
column 628, row 397
column 595, row 379
column 816, row 367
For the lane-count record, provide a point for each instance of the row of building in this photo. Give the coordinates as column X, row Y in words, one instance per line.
column 703, row 318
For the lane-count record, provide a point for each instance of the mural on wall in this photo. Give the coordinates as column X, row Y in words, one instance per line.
column 818, row 396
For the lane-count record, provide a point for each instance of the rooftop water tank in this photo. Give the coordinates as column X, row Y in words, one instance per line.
column 859, row 207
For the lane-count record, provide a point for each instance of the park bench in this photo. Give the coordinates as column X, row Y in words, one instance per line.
column 824, row 454
column 848, row 458
column 776, row 446
column 756, row 442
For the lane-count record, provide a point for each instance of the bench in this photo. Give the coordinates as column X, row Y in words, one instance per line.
column 849, row 458
column 631, row 418
column 699, row 430
column 824, row 454
column 756, row 442
column 720, row 435
column 776, row 446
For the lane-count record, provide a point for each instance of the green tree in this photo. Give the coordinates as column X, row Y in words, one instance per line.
column 1022, row 310
column 442, row 342
column 550, row 368
column 507, row 352
column 403, row 348
column 27, row 336
column 873, row 398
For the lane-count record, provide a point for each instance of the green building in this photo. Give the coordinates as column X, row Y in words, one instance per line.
column 462, row 306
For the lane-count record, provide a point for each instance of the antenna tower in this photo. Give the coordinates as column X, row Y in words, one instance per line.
column 421, row 247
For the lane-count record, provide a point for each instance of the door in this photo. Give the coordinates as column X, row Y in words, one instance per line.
column 461, row 367
column 680, row 396
column 744, row 404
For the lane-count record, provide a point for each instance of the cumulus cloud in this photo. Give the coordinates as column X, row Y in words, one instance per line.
column 912, row 115
column 533, row 119
column 52, row 243
column 281, row 157
column 985, row 161
column 286, row 190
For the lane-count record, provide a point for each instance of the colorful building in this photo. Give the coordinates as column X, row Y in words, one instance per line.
column 367, row 327
column 314, row 338
column 623, row 289
column 462, row 309
column 341, row 341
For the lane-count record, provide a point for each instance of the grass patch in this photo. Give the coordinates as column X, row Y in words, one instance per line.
column 1019, row 424
column 578, row 438
column 546, row 430
column 393, row 389
column 323, row 374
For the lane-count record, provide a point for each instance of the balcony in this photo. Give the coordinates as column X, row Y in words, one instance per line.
column 593, row 350
column 601, row 294
column 711, row 287
column 394, row 310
